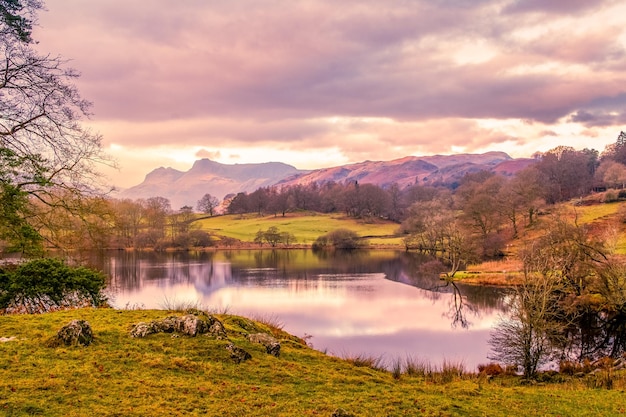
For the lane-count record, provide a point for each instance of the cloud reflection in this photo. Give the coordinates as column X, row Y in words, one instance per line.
column 345, row 311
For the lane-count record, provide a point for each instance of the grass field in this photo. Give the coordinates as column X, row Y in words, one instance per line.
column 305, row 226
column 161, row 375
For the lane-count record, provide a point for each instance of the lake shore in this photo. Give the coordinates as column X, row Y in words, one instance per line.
column 161, row 375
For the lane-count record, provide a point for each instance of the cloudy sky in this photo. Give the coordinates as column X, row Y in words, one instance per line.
column 319, row 83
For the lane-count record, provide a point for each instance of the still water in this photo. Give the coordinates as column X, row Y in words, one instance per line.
column 375, row 303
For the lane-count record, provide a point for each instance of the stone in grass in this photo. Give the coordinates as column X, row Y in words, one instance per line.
column 272, row 346
column 237, row 354
column 75, row 333
column 191, row 325
column 216, row 328
column 167, row 325
column 143, row 329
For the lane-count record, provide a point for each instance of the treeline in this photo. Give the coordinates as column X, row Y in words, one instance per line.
column 482, row 211
column 558, row 175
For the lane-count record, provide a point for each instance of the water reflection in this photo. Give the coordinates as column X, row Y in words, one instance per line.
column 374, row 302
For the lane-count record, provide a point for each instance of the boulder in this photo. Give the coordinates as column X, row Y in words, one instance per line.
column 167, row 325
column 143, row 329
column 191, row 325
column 237, row 354
column 76, row 332
column 272, row 345
column 216, row 328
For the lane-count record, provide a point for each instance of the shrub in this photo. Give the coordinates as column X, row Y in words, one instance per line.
column 200, row 238
column 48, row 284
column 490, row 369
column 339, row 239
column 274, row 236
column 610, row 196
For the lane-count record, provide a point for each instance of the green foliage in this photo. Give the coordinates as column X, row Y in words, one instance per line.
column 16, row 15
column 17, row 175
column 274, row 236
column 15, row 231
column 49, row 284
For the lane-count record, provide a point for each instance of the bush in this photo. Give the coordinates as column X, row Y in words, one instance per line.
column 491, row 369
column 339, row 239
column 200, row 239
column 274, row 236
column 49, row 284
column 191, row 239
column 610, row 197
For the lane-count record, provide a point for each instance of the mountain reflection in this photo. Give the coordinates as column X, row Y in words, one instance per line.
column 372, row 302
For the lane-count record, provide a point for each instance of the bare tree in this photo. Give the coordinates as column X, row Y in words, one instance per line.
column 45, row 153
column 525, row 337
column 207, row 204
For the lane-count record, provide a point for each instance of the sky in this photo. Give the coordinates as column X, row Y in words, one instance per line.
column 320, row 83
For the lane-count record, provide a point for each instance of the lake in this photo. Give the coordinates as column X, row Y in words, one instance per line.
column 378, row 303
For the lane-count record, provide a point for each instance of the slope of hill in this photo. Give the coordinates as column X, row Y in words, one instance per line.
column 161, row 375
column 437, row 169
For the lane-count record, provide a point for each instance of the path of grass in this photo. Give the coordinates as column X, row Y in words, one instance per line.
column 163, row 375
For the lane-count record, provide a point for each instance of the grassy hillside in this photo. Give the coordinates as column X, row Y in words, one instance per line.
column 605, row 220
column 305, row 226
column 161, row 375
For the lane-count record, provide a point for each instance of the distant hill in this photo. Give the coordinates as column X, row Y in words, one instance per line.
column 219, row 180
column 410, row 170
column 206, row 176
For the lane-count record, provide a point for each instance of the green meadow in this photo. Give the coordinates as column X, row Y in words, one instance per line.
column 305, row 226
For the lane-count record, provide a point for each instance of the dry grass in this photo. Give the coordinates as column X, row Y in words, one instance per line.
column 270, row 320
column 363, row 360
column 499, row 266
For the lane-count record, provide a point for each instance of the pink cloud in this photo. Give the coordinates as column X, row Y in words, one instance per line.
column 241, row 72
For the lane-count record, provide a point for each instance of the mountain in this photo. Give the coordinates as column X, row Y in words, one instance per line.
column 219, row 180
column 206, row 176
column 437, row 169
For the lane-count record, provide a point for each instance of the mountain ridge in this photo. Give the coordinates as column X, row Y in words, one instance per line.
column 185, row 188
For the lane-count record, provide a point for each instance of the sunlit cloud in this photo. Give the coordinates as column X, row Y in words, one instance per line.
column 322, row 82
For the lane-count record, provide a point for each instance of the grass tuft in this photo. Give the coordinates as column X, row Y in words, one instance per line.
column 364, row 360
column 270, row 320
column 173, row 304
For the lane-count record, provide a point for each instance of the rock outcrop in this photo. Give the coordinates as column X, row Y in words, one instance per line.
column 75, row 333
column 188, row 325
column 198, row 323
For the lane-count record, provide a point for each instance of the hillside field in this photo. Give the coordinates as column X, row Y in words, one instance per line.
column 305, row 226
